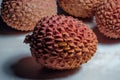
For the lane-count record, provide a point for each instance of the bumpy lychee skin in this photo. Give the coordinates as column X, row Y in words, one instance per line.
column 108, row 18
column 79, row 8
column 62, row 42
column 24, row 14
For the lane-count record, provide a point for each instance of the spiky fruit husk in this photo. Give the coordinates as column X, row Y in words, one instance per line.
column 79, row 8
column 24, row 14
column 108, row 18
column 62, row 42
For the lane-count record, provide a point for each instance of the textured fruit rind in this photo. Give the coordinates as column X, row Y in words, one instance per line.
column 108, row 18
column 62, row 42
column 24, row 14
column 79, row 8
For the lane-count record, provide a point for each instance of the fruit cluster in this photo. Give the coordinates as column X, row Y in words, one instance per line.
column 106, row 12
column 59, row 41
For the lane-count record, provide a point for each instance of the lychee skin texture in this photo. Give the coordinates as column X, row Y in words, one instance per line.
column 79, row 8
column 24, row 14
column 108, row 18
column 62, row 42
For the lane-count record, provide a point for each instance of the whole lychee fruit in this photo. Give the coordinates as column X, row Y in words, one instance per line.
column 108, row 18
column 79, row 8
column 62, row 42
column 24, row 14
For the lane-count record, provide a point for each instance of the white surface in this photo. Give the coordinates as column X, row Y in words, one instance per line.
column 10, row 47
column 105, row 65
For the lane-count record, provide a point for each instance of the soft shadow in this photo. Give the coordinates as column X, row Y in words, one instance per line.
column 61, row 11
column 104, row 39
column 6, row 67
column 7, row 30
column 27, row 68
